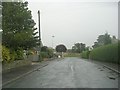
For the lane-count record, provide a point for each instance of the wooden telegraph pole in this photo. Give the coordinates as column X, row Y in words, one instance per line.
column 39, row 27
column 39, row 32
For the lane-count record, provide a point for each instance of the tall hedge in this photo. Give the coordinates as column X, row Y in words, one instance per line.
column 85, row 54
column 107, row 53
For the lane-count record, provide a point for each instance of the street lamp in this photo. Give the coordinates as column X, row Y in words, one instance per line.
column 52, row 41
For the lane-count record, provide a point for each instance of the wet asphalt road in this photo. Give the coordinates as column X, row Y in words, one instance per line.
column 68, row 73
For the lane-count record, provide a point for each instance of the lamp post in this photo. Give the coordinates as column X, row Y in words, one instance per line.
column 52, row 41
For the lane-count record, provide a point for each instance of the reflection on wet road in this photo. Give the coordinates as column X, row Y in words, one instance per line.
column 69, row 73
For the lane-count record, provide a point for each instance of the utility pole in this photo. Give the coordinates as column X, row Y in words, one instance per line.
column 39, row 32
column 39, row 26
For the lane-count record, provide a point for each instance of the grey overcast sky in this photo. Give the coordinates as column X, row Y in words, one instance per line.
column 72, row 21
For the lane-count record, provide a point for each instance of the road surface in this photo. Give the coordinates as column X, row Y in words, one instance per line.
column 68, row 73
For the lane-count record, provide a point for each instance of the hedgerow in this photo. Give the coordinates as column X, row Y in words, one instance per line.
column 85, row 54
column 107, row 53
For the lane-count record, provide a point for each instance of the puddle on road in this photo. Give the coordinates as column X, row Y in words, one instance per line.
column 111, row 77
column 101, row 70
column 110, row 74
column 37, row 70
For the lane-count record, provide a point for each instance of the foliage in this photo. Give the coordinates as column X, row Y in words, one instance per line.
column 106, row 53
column 44, row 55
column 85, row 54
column 13, row 55
column 103, row 40
column 46, row 52
column 16, row 55
column 44, row 49
column 29, row 52
column 19, row 53
column 72, row 55
column 9, row 55
column 78, row 47
column 69, row 50
column 5, row 54
column 50, row 52
column 18, row 26
column 61, row 48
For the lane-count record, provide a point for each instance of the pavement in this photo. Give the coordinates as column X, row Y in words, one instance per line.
column 68, row 73
column 114, row 67
column 16, row 73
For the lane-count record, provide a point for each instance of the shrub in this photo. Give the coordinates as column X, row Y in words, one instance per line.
column 46, row 52
column 13, row 55
column 50, row 53
column 5, row 54
column 72, row 55
column 30, row 52
column 19, row 54
column 44, row 55
column 85, row 54
column 9, row 55
column 107, row 53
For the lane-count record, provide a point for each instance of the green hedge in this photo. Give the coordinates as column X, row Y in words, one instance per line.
column 85, row 54
column 44, row 55
column 108, row 53
column 71, row 55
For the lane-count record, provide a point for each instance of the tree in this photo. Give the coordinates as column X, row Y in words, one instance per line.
column 88, row 48
column 114, row 39
column 44, row 49
column 61, row 48
column 95, row 45
column 18, row 26
column 102, row 40
column 79, row 47
column 107, row 39
column 74, row 48
column 46, row 52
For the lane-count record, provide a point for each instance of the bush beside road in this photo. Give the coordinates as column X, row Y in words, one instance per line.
column 85, row 54
column 71, row 55
column 106, row 53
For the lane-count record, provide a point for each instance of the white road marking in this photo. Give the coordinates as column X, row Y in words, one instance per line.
column 72, row 68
